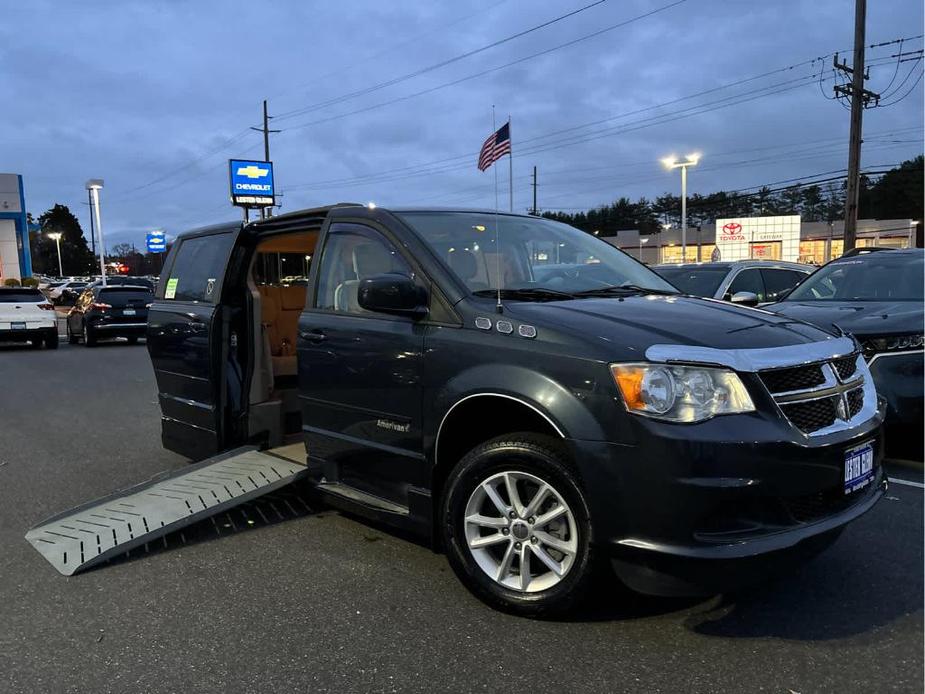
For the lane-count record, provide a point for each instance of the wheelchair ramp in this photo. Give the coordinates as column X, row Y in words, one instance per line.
column 94, row 532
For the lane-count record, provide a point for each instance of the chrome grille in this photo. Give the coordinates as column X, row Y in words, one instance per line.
column 846, row 367
column 812, row 415
column 823, row 396
column 793, row 378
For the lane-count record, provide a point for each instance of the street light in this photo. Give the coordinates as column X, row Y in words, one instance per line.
column 56, row 237
column 673, row 163
column 94, row 185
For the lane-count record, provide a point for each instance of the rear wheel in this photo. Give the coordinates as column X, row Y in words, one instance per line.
column 89, row 337
column 133, row 340
column 51, row 340
column 516, row 526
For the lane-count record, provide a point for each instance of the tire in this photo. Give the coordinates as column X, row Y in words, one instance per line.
column 492, row 570
column 72, row 339
column 51, row 340
column 132, row 340
column 89, row 338
column 36, row 343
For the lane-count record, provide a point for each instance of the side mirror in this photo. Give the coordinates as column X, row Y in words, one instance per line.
column 745, row 298
column 393, row 293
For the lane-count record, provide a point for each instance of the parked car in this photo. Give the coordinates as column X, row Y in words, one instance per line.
column 26, row 316
column 71, row 285
column 124, row 280
column 877, row 297
column 746, row 282
column 107, row 312
column 529, row 429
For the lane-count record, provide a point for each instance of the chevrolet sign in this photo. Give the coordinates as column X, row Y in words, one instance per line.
column 251, row 183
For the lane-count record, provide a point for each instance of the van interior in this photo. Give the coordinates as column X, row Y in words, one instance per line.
column 277, row 282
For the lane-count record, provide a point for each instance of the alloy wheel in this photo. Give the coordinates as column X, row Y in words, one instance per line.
column 520, row 531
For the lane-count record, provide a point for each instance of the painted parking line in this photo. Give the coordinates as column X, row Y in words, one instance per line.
column 906, row 483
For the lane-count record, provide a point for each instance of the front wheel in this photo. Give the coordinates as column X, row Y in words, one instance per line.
column 516, row 526
column 89, row 337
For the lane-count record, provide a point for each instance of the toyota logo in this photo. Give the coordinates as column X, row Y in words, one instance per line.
column 732, row 228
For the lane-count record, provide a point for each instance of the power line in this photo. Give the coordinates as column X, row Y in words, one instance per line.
column 441, row 64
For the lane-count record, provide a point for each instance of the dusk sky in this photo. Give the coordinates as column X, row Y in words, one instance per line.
column 155, row 97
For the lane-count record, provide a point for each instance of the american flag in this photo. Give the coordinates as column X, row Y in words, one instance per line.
column 496, row 146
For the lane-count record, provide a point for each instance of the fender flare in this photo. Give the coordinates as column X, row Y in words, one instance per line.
column 545, row 396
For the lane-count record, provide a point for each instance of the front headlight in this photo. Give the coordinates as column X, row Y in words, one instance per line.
column 680, row 393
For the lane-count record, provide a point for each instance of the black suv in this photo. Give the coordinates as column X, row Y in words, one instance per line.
column 877, row 297
column 437, row 374
column 106, row 312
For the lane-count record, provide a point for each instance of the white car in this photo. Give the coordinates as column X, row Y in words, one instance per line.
column 26, row 315
column 74, row 285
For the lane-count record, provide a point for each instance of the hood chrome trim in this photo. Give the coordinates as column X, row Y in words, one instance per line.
column 753, row 360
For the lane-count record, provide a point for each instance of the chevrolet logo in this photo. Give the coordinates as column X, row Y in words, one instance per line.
column 252, row 171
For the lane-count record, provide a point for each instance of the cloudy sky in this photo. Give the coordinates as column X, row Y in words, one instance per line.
column 380, row 101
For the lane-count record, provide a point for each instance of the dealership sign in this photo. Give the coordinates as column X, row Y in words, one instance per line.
column 775, row 237
column 251, row 183
column 156, row 241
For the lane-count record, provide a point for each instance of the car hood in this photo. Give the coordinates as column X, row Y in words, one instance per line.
column 861, row 318
column 632, row 324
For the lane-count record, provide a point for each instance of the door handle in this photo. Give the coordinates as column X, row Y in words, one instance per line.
column 313, row 335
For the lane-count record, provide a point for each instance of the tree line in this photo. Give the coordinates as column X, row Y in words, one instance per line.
column 76, row 256
column 896, row 194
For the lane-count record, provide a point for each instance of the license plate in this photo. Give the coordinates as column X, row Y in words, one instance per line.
column 128, row 312
column 859, row 467
column 17, row 326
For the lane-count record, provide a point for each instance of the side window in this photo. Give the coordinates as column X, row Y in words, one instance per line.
column 199, row 267
column 776, row 282
column 351, row 254
column 747, row 281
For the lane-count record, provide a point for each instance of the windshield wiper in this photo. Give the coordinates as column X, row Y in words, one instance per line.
column 625, row 288
column 528, row 294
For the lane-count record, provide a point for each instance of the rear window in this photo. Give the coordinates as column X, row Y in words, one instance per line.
column 10, row 296
column 123, row 296
column 198, row 269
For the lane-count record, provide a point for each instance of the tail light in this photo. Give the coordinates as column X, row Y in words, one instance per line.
column 101, row 307
column 46, row 307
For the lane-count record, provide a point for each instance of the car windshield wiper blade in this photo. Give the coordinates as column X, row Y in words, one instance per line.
column 625, row 288
column 527, row 293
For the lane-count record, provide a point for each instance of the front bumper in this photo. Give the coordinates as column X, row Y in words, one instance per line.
column 701, row 508
column 898, row 378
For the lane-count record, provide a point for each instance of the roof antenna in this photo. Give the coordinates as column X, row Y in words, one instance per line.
column 498, row 307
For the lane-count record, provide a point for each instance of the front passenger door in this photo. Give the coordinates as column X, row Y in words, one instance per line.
column 360, row 372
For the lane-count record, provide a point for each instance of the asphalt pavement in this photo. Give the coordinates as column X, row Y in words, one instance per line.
column 281, row 596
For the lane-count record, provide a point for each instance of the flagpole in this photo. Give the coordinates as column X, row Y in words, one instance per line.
column 498, row 308
column 510, row 163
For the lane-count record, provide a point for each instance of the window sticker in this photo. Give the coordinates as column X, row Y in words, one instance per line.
column 171, row 290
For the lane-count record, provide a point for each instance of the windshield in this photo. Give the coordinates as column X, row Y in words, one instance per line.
column 698, row 281
column 536, row 254
column 875, row 277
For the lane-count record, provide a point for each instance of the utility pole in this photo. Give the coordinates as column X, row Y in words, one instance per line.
column 265, row 211
column 534, row 190
column 860, row 98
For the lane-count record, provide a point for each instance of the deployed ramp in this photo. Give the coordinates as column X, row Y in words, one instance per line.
column 102, row 529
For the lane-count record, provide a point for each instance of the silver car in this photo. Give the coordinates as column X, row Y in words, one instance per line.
column 748, row 282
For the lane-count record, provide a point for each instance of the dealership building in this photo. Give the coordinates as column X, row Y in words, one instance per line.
column 15, row 260
column 772, row 238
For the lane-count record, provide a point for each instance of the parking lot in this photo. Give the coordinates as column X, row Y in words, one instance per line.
column 283, row 596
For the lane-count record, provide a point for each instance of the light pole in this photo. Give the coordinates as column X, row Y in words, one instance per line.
column 94, row 185
column 673, row 163
column 56, row 237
